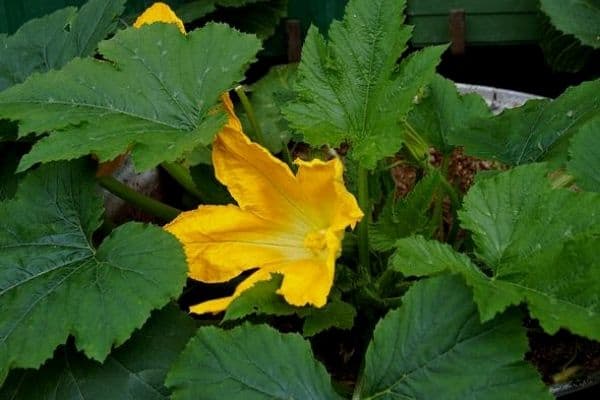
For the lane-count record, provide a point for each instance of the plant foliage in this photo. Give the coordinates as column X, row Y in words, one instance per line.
column 54, row 282
column 538, row 246
column 156, row 90
column 351, row 90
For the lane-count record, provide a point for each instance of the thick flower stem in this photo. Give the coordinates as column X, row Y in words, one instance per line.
column 258, row 134
column 144, row 203
column 363, row 226
column 182, row 176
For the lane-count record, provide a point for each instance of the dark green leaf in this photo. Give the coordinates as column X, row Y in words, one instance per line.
column 50, row 42
column 580, row 18
column 585, row 156
column 250, row 363
column 434, row 347
column 193, row 10
column 156, row 96
column 54, row 283
column 441, row 110
column 528, row 133
column 259, row 17
column 351, row 89
column 539, row 246
column 134, row 371
column 405, row 217
column 268, row 96
column 564, row 53
column 9, row 158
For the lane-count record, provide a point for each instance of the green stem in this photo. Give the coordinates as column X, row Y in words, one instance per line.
column 258, row 134
column 144, row 203
column 287, row 156
column 183, row 177
column 363, row 226
column 418, row 148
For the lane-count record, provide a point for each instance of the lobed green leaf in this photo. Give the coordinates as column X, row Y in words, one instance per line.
column 580, row 18
column 248, row 362
column 533, row 132
column 435, row 347
column 55, row 283
column 538, row 246
column 350, row 88
column 154, row 93
column 134, row 371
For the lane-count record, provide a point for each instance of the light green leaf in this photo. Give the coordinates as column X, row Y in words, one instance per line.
column 335, row 314
column 134, row 371
column 155, row 96
column 405, row 217
column 539, row 247
column 251, row 363
column 351, row 89
column 580, row 18
column 268, row 95
column 585, row 156
column 528, row 133
column 434, row 347
column 55, row 283
column 260, row 299
column 50, row 42
column 441, row 110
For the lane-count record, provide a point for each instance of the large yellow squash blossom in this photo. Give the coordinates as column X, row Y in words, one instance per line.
column 287, row 224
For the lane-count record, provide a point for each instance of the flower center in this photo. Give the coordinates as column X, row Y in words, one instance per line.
column 316, row 241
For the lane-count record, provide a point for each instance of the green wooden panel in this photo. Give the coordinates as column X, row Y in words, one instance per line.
column 443, row 7
column 480, row 29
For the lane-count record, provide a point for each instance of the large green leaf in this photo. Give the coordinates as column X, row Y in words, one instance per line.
column 268, row 95
column 539, row 247
column 50, row 42
column 580, row 18
column 155, row 95
column 434, row 347
column 528, row 133
column 407, row 216
column 250, row 363
column 134, row 371
column 563, row 53
column 351, row 89
column 585, row 156
column 54, row 283
column 441, row 111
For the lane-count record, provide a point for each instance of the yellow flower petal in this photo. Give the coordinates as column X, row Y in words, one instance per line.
column 159, row 12
column 220, row 242
column 233, row 121
column 221, row 304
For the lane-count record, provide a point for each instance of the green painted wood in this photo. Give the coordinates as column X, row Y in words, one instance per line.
column 480, row 29
column 443, row 7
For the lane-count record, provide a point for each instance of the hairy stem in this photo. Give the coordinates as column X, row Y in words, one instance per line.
column 258, row 134
column 363, row 226
column 144, row 203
